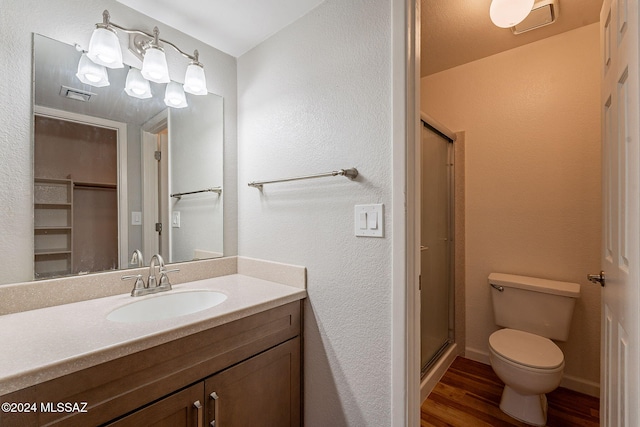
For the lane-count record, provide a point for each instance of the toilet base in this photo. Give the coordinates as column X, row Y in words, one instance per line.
column 530, row 409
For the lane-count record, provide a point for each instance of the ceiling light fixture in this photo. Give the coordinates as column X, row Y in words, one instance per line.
column 105, row 51
column 508, row 13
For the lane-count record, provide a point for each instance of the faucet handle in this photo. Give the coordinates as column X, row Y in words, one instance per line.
column 138, row 287
column 164, row 279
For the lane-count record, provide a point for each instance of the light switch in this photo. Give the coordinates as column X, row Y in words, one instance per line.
column 372, row 224
column 136, row 218
column 363, row 220
column 369, row 220
column 175, row 219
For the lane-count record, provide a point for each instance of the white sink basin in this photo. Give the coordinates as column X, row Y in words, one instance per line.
column 166, row 305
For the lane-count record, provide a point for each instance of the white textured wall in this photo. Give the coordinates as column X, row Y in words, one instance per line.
column 73, row 21
column 316, row 97
column 532, row 122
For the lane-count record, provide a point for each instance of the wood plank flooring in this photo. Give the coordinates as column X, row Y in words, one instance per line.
column 469, row 395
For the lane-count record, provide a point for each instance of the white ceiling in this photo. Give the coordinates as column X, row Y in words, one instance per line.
column 232, row 26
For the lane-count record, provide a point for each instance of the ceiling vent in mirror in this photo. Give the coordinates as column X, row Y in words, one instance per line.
column 544, row 12
column 76, row 94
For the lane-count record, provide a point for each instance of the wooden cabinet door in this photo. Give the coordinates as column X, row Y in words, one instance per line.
column 261, row 391
column 181, row 409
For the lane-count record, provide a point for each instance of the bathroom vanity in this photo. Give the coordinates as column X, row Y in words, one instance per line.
column 235, row 364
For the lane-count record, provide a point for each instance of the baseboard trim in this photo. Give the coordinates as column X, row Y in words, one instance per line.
column 581, row 385
column 572, row 383
column 477, row 355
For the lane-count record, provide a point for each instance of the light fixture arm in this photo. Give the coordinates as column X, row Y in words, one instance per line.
column 155, row 37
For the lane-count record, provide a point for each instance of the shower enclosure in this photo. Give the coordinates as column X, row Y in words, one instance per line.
column 436, row 250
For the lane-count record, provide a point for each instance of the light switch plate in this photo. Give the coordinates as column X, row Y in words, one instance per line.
column 369, row 220
column 136, row 218
column 175, row 219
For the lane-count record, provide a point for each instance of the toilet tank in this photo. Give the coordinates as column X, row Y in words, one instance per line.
column 542, row 307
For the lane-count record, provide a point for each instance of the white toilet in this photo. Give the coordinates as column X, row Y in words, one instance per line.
column 532, row 312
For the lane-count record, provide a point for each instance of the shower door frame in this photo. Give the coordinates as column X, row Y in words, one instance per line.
column 449, row 138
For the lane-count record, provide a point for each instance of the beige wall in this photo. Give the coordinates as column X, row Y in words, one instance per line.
column 532, row 122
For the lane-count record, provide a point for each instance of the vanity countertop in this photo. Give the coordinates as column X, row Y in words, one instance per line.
column 46, row 343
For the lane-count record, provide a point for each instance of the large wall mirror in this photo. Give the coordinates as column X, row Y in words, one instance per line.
column 114, row 174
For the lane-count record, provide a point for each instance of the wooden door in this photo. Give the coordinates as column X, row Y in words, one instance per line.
column 181, row 409
column 620, row 356
column 263, row 391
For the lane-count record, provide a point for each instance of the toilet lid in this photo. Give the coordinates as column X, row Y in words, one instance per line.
column 526, row 349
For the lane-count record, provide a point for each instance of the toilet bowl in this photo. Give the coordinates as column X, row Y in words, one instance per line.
column 530, row 366
column 532, row 312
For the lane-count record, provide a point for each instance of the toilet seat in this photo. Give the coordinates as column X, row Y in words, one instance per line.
column 524, row 348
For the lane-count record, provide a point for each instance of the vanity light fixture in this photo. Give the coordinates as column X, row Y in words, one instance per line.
column 195, row 82
column 104, row 45
column 154, row 64
column 136, row 85
column 508, row 13
column 91, row 73
column 105, row 51
column 174, row 95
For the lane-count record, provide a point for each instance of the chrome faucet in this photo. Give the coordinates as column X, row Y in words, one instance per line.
column 151, row 280
column 153, row 284
column 161, row 284
column 136, row 258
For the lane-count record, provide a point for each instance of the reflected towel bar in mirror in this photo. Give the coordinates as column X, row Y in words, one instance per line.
column 350, row 173
column 217, row 190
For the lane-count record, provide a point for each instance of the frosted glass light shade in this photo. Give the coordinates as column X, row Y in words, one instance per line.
column 104, row 48
column 174, row 96
column 91, row 73
column 195, row 81
column 136, row 85
column 508, row 13
column 154, row 66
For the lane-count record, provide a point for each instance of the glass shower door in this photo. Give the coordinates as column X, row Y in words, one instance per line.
column 436, row 246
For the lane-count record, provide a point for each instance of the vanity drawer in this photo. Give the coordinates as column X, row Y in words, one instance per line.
column 120, row 386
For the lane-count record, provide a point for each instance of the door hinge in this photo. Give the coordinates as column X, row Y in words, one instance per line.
column 157, row 155
column 420, row 282
column 159, row 227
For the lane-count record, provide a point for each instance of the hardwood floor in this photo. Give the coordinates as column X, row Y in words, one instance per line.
column 469, row 395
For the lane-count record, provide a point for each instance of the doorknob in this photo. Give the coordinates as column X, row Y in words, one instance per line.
column 597, row 278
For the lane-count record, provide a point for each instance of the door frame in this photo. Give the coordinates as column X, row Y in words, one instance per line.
column 150, row 187
column 405, row 226
column 123, row 201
